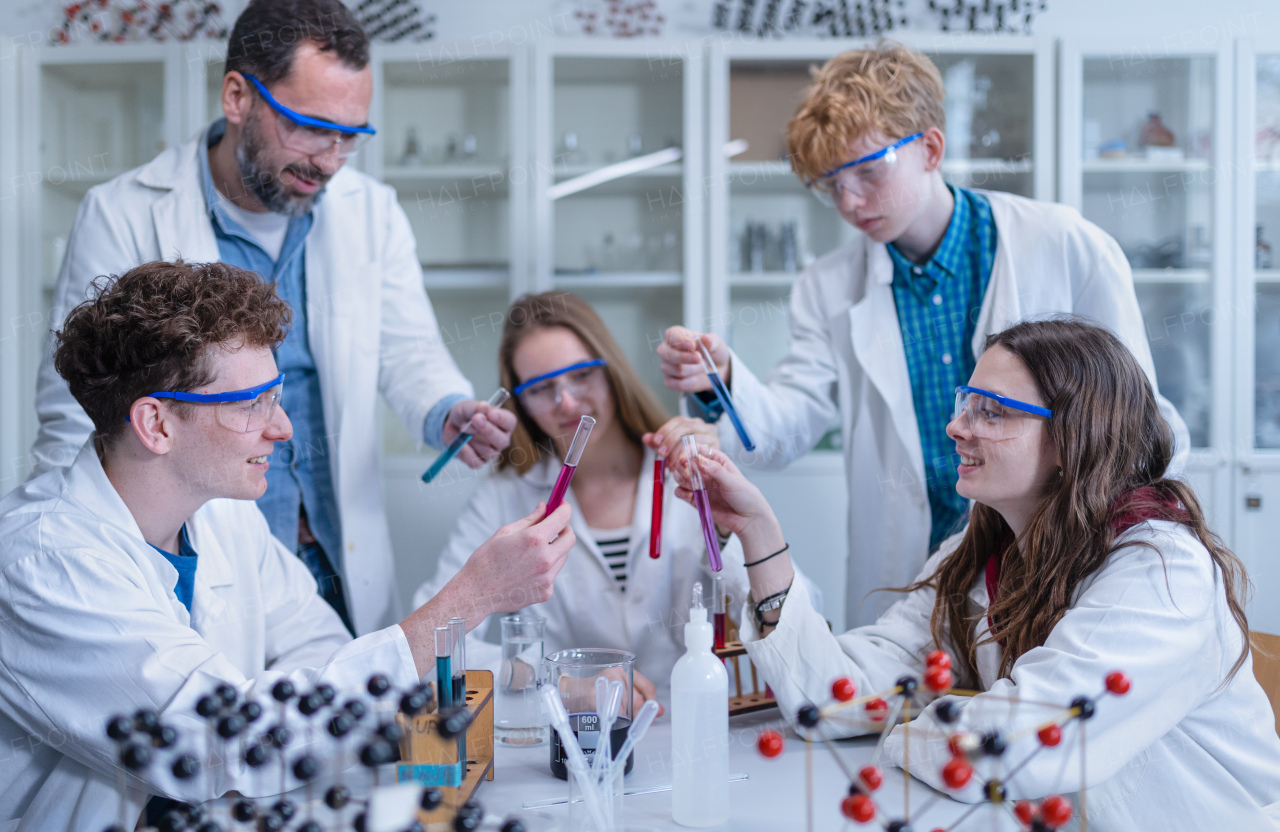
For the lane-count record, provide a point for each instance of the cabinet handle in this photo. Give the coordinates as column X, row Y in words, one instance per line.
column 1253, row 502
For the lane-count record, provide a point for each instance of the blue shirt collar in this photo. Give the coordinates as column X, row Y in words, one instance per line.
column 950, row 255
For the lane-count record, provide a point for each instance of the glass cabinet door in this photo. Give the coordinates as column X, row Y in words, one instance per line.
column 620, row 244
column 1148, row 178
column 97, row 120
column 1265, row 256
column 445, row 145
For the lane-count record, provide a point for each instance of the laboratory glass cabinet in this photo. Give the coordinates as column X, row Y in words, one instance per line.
column 488, row 150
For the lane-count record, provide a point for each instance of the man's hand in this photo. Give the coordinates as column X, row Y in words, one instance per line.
column 665, row 441
column 682, row 368
column 643, row 692
column 491, row 427
column 514, row 568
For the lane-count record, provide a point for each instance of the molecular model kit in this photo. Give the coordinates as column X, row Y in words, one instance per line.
column 313, row 735
column 972, row 754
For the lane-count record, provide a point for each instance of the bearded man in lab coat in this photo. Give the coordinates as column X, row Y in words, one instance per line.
column 266, row 188
column 884, row 329
column 143, row 575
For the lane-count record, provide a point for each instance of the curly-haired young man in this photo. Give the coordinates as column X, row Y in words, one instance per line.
column 884, row 329
column 143, row 575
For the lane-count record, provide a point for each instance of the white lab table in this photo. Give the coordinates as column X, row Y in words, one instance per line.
column 772, row 799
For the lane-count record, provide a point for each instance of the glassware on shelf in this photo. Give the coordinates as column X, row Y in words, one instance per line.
column 789, row 247
column 1165, row 253
column 1262, row 256
column 1155, row 133
column 635, row 145
column 569, row 151
column 412, row 155
column 469, row 146
column 1200, row 254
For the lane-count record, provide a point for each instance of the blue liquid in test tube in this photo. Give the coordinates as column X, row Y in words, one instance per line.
column 444, row 676
column 496, row 400
column 722, row 393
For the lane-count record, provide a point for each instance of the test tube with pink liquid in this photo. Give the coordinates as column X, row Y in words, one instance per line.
column 580, row 437
column 702, row 501
column 655, row 519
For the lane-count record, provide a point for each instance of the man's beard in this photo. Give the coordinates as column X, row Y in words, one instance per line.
column 268, row 188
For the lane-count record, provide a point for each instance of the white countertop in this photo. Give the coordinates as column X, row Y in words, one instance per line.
column 772, row 799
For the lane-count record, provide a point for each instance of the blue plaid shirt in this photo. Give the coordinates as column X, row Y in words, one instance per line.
column 938, row 304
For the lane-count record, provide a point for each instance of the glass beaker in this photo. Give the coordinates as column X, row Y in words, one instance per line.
column 519, row 717
column 574, row 673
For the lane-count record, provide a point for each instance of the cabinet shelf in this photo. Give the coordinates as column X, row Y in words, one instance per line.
column 1143, row 166
column 1266, row 275
column 619, row 280
column 441, row 173
column 78, row 185
column 762, row 280
column 1266, row 165
column 1171, row 275
column 462, row 277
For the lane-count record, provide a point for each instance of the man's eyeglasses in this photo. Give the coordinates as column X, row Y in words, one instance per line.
column 861, row 176
column 242, row 411
column 313, row 136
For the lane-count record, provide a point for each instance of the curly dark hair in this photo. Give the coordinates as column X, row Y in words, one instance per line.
column 151, row 329
column 268, row 32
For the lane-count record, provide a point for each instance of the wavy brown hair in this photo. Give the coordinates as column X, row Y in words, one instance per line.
column 638, row 409
column 1112, row 440
column 152, row 328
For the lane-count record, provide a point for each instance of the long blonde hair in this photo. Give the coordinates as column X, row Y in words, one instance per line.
column 638, row 409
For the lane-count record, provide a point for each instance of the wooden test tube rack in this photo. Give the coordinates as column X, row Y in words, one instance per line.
column 756, row 699
column 430, row 759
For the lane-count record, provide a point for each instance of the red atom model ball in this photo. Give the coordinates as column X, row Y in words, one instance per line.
column 956, row 773
column 938, row 658
column 872, row 777
column 1118, row 683
column 1025, row 810
column 877, row 710
column 770, row 744
column 1050, row 735
column 938, row 679
column 858, row 807
column 844, row 689
column 1056, row 811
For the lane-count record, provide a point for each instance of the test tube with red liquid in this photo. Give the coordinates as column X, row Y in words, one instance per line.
column 579, row 442
column 702, row 501
column 717, row 610
column 655, row 521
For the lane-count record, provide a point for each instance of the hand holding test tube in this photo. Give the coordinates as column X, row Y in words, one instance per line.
column 702, row 502
column 498, row 399
column 722, row 393
column 580, row 437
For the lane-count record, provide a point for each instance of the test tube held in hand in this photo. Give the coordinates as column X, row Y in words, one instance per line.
column 498, row 399
column 655, row 521
column 722, row 393
column 444, row 674
column 702, row 502
column 717, row 611
column 580, row 438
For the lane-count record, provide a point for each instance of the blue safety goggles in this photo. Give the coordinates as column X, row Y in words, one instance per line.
column 871, row 157
column 239, row 410
column 310, row 135
column 595, row 362
column 1006, row 401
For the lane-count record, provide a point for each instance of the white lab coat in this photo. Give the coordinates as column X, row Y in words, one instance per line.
column 370, row 325
column 90, row 627
column 1181, row 750
column 587, row 608
column 846, row 365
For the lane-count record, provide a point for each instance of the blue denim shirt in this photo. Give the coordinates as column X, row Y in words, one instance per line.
column 938, row 304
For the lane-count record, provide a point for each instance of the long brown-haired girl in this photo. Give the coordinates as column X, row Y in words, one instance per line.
column 1080, row 558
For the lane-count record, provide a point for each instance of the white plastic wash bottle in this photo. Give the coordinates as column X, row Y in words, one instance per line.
column 699, row 727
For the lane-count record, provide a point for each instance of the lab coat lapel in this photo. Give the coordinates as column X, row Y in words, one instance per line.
column 1001, row 305
column 183, row 228
column 879, row 351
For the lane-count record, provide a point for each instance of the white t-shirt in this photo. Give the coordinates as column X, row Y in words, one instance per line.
column 268, row 228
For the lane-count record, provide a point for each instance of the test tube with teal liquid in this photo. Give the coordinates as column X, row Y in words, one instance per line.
column 498, row 399
column 444, row 670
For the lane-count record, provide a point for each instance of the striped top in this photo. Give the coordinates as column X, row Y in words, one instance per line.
column 614, row 545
